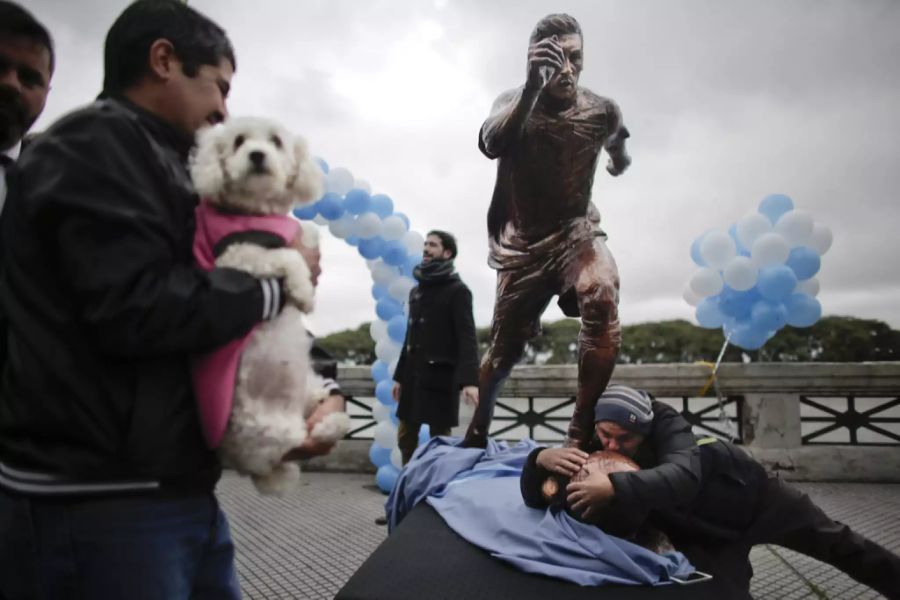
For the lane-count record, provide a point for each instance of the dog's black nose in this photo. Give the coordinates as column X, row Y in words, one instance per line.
column 257, row 158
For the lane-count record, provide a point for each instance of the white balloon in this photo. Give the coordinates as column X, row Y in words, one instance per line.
column 740, row 273
column 400, row 287
column 414, row 242
column 320, row 220
column 769, row 249
column 795, row 226
column 690, row 296
column 387, row 349
column 808, row 286
column 397, row 458
column 339, row 181
column 380, row 412
column 717, row 248
column 750, row 227
column 368, row 225
column 362, row 184
column 392, row 367
column 341, row 228
column 371, row 262
column 378, row 330
column 393, row 228
column 820, row 239
column 384, row 274
column 706, row 282
column 385, row 434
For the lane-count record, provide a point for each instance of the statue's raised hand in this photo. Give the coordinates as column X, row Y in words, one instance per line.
column 545, row 58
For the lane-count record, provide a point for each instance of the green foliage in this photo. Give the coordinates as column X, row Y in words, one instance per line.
column 832, row 339
column 350, row 346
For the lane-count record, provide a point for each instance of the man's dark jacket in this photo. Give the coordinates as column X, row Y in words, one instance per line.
column 105, row 306
column 711, row 491
column 440, row 353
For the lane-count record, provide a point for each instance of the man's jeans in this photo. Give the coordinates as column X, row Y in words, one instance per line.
column 134, row 547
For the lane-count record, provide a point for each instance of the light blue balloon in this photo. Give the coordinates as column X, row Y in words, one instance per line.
column 330, row 206
column 738, row 246
column 380, row 371
column 322, row 164
column 708, row 314
column 776, row 282
column 397, row 328
column 383, row 391
column 379, row 291
column 306, row 213
column 379, row 455
column 387, row 308
column 412, row 261
column 695, row 249
column 804, row 262
column 404, row 217
column 802, row 310
column 394, row 253
column 775, row 205
column 352, row 240
column 746, row 336
column 381, row 205
column 424, row 434
column 737, row 304
column 371, row 248
column 394, row 418
column 386, row 478
column 768, row 315
column 357, row 201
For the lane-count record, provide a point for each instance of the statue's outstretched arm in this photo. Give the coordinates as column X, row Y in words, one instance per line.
column 615, row 143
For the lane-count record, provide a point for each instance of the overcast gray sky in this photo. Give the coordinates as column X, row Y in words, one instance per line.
column 726, row 102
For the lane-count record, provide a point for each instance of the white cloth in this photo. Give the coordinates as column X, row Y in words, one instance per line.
column 13, row 154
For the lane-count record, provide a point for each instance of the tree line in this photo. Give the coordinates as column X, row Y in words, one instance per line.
column 831, row 339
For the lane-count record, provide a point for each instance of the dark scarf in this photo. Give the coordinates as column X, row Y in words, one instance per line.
column 435, row 271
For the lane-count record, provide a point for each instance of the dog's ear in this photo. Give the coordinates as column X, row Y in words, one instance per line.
column 307, row 181
column 206, row 161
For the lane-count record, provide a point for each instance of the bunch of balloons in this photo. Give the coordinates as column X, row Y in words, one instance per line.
column 383, row 237
column 760, row 275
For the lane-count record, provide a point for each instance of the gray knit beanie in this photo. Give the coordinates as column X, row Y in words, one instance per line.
column 627, row 407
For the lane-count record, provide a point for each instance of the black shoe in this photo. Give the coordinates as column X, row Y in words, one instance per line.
column 381, row 520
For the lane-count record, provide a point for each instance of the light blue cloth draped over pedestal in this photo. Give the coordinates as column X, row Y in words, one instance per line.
column 477, row 493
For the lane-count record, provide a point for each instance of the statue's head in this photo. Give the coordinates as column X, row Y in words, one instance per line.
column 564, row 83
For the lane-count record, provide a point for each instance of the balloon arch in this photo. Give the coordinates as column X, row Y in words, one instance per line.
column 392, row 250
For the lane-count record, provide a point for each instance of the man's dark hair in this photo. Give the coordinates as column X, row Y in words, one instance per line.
column 555, row 24
column 15, row 21
column 196, row 39
column 447, row 241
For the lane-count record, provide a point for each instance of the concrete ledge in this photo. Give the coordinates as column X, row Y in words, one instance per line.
column 867, row 464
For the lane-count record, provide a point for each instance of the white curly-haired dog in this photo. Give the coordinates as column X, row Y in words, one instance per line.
column 258, row 395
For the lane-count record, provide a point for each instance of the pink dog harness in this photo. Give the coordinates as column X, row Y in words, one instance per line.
column 214, row 374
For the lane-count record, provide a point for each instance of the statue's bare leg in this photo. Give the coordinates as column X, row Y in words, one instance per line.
column 521, row 300
column 596, row 282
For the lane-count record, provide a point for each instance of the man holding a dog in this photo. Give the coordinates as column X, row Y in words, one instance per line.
column 711, row 498
column 543, row 229
column 106, row 484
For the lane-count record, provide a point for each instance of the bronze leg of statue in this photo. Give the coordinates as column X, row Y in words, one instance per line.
column 521, row 300
column 597, row 289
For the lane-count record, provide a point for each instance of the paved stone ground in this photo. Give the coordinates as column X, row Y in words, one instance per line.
column 308, row 545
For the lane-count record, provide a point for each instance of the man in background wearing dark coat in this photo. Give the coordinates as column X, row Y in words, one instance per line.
column 440, row 353
column 711, row 498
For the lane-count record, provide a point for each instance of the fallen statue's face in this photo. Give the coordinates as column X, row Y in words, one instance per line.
column 605, row 461
column 614, row 519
